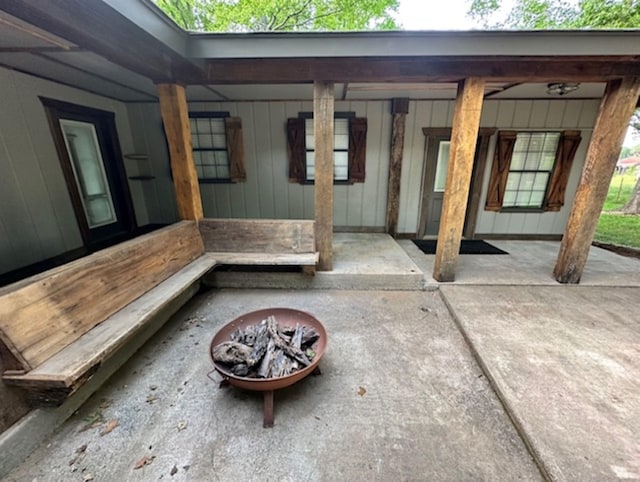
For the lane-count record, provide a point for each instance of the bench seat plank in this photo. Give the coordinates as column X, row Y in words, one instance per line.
column 70, row 365
column 262, row 259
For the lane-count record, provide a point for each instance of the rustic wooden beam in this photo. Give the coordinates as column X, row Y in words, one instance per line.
column 323, row 107
column 175, row 117
column 399, row 110
column 421, row 69
column 616, row 108
column 464, row 135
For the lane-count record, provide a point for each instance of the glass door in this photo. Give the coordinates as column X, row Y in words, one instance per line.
column 87, row 143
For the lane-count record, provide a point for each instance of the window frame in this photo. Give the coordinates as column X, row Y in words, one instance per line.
column 211, row 115
column 336, row 115
column 566, row 150
column 543, row 202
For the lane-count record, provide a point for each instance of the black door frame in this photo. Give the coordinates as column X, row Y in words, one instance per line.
column 104, row 121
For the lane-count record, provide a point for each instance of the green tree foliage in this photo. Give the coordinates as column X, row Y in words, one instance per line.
column 281, row 15
column 559, row 14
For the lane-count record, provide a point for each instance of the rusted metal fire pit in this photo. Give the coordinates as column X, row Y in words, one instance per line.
column 285, row 317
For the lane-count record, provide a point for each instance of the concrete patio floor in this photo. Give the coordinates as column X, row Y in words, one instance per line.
column 502, row 375
column 400, row 397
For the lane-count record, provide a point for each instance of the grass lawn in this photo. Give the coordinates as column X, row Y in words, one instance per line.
column 615, row 228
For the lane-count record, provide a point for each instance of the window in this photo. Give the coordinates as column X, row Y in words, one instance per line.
column 349, row 148
column 340, row 149
column 530, row 170
column 218, row 152
column 534, row 155
column 442, row 165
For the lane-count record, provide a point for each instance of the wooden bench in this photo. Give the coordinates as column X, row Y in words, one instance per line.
column 261, row 242
column 57, row 328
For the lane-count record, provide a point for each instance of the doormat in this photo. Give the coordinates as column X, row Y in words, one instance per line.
column 468, row 246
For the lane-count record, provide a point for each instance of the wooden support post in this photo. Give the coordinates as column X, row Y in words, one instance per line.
column 399, row 110
column 617, row 106
column 464, row 135
column 323, row 101
column 175, row 117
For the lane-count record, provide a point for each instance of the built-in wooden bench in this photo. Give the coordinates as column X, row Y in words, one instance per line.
column 261, row 242
column 58, row 327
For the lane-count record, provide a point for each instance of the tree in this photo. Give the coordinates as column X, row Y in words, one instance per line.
column 281, row 15
column 564, row 14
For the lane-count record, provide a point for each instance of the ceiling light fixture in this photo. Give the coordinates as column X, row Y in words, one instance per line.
column 562, row 88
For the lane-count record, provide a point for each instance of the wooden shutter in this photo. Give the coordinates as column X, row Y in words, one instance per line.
column 296, row 150
column 235, row 149
column 357, row 149
column 567, row 147
column 500, row 170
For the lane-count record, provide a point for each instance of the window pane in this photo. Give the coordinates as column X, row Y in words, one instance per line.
column 509, row 199
column 217, row 125
column 533, row 161
column 513, row 181
column 442, row 165
column 547, row 161
column 308, row 129
column 341, row 134
column 522, row 198
column 540, row 183
column 219, row 141
column 526, row 182
column 536, row 199
column 203, row 141
column 517, row 160
column 341, row 166
column 222, row 172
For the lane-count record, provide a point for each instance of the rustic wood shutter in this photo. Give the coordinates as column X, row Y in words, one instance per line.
column 235, row 149
column 500, row 170
column 296, row 150
column 357, row 149
column 567, row 147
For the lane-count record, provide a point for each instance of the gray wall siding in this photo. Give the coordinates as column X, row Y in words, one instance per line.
column 36, row 216
column 502, row 114
column 267, row 193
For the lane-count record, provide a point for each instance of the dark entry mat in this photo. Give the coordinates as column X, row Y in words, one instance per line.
column 468, row 246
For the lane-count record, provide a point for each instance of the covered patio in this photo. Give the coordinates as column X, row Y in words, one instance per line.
column 465, row 381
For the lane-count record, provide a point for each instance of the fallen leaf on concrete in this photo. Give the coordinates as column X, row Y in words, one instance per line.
column 153, row 387
column 362, row 391
column 109, row 427
column 105, row 403
column 151, row 398
column 87, row 477
column 146, row 460
column 182, row 425
column 79, row 454
column 174, row 471
column 93, row 420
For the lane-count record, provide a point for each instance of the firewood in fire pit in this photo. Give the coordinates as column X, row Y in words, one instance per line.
column 267, row 350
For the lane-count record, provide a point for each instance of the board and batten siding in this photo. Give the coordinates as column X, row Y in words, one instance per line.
column 267, row 192
column 37, row 220
column 556, row 114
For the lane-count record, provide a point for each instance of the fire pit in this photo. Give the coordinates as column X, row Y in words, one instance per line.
column 286, row 318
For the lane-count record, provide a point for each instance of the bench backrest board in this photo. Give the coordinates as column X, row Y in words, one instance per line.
column 41, row 315
column 258, row 235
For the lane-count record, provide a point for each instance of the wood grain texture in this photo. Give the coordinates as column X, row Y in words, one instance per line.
column 175, row 117
column 420, row 69
column 395, row 171
column 323, row 109
column 258, row 236
column 69, row 366
column 266, row 259
column 464, row 135
column 617, row 105
column 40, row 318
